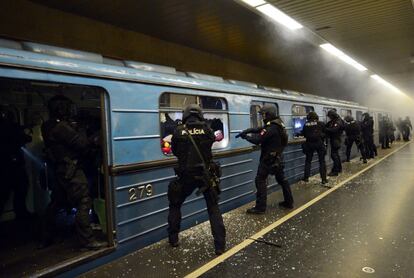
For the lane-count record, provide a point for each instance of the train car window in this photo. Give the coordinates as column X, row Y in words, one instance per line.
column 346, row 112
column 215, row 113
column 255, row 116
column 299, row 113
column 359, row 115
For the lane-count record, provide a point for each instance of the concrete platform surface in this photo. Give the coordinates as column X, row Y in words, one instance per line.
column 351, row 228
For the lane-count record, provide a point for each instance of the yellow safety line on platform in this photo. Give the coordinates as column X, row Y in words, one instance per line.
column 264, row 231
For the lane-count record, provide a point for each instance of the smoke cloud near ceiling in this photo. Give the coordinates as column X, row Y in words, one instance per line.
column 320, row 73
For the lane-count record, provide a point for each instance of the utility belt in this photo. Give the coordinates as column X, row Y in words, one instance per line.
column 273, row 162
column 210, row 177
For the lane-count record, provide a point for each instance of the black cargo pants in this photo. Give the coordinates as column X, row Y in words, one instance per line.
column 263, row 171
column 72, row 192
column 178, row 191
column 309, row 148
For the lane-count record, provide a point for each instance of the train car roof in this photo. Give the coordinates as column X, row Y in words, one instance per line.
column 51, row 58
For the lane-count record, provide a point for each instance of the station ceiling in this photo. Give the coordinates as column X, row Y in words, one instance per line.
column 377, row 33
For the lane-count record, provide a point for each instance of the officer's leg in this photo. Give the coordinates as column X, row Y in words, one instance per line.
column 21, row 184
column 308, row 162
column 175, row 199
column 177, row 193
column 336, row 160
column 349, row 143
column 78, row 194
column 5, row 190
column 287, row 193
column 261, row 187
column 374, row 147
column 322, row 165
column 216, row 220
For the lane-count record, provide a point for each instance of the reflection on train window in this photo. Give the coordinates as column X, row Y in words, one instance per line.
column 255, row 116
column 215, row 113
column 299, row 113
column 41, row 174
column 346, row 112
column 359, row 116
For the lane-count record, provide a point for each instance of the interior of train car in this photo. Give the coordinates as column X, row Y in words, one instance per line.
column 27, row 185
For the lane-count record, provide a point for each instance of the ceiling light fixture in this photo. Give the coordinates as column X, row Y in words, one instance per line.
column 338, row 53
column 279, row 16
column 254, row 3
column 385, row 83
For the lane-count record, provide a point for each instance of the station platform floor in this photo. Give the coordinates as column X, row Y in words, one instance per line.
column 363, row 224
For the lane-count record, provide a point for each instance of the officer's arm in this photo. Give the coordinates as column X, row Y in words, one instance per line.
column 262, row 137
column 334, row 129
column 63, row 132
column 175, row 143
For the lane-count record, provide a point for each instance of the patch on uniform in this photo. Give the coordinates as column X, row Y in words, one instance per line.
column 263, row 132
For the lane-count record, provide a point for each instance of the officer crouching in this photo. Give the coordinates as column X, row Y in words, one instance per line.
column 313, row 131
column 67, row 149
column 272, row 139
column 191, row 144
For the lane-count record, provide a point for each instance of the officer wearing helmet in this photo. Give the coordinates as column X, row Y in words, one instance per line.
column 353, row 135
column 367, row 131
column 67, row 150
column 191, row 143
column 334, row 128
column 272, row 138
column 314, row 132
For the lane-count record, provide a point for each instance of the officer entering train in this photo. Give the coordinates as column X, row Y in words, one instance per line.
column 334, row 129
column 272, row 138
column 12, row 164
column 68, row 149
column 314, row 132
column 353, row 135
column 191, row 143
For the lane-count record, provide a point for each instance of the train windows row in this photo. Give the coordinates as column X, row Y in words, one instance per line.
column 215, row 111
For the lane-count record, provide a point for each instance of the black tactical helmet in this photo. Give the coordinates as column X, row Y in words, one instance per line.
column 60, row 107
column 349, row 118
column 332, row 114
column 312, row 116
column 268, row 112
column 192, row 110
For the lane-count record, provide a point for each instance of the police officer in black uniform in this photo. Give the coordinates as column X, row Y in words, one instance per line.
column 314, row 132
column 191, row 175
column 367, row 131
column 12, row 164
column 67, row 149
column 334, row 129
column 272, row 139
column 406, row 128
column 353, row 135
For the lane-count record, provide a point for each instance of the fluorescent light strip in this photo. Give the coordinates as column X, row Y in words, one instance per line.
column 279, row 16
column 338, row 53
column 385, row 83
column 254, row 3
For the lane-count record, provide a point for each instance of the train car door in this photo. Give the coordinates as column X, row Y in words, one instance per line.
column 32, row 183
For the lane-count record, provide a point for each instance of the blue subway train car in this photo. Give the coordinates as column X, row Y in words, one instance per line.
column 135, row 107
